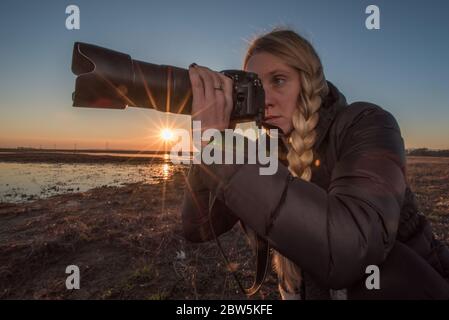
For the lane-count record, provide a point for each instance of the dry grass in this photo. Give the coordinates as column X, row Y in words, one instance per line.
column 128, row 243
column 429, row 178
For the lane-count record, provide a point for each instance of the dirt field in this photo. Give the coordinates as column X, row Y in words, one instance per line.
column 128, row 243
column 429, row 179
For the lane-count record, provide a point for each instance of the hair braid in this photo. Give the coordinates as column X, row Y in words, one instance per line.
column 298, row 53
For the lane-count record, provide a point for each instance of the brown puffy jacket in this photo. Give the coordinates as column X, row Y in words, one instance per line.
column 351, row 214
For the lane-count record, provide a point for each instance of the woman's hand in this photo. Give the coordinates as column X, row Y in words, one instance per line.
column 212, row 97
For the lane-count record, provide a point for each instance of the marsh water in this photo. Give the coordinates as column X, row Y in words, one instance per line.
column 22, row 182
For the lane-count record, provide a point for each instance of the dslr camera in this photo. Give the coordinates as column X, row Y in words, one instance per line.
column 111, row 79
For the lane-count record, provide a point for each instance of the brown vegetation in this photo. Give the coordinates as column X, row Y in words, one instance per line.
column 128, row 243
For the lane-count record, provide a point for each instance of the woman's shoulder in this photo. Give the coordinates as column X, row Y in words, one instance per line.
column 362, row 114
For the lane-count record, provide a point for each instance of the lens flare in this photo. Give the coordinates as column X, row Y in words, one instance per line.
column 167, row 134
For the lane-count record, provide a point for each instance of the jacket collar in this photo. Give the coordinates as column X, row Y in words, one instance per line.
column 332, row 104
column 329, row 108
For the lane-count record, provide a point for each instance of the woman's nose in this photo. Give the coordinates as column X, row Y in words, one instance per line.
column 268, row 110
column 269, row 103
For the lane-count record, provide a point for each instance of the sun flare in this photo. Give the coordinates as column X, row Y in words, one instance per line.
column 167, row 134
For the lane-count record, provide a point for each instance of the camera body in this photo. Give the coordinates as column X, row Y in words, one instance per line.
column 113, row 80
column 248, row 96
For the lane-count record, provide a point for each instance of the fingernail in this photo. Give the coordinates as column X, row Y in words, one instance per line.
column 193, row 65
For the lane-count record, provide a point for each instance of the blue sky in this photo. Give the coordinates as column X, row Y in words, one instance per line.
column 403, row 67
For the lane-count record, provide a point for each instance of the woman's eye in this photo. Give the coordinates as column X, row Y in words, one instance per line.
column 278, row 81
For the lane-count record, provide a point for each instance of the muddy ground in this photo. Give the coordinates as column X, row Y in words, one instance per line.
column 128, row 243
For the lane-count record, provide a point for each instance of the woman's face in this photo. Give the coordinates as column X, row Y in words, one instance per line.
column 281, row 85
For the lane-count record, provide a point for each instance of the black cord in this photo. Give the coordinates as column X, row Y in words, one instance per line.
column 228, row 265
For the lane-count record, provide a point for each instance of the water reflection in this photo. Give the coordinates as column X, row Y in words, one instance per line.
column 166, row 168
column 21, row 182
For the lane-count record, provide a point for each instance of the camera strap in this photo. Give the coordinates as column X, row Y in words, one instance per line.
column 262, row 256
column 263, row 253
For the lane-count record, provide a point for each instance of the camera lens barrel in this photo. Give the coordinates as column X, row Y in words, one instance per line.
column 113, row 80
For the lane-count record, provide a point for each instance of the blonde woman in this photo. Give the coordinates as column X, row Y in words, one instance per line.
column 339, row 201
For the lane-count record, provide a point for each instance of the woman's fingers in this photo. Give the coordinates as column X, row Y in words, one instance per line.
column 219, row 92
column 197, row 89
column 212, row 97
column 208, row 81
column 228, row 90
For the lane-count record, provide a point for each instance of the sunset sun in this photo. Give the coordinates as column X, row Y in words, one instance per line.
column 167, row 134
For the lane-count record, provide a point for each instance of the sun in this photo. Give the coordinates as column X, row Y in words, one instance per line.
column 167, row 134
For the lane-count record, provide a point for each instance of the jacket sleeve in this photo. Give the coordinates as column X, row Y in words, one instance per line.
column 195, row 211
column 331, row 234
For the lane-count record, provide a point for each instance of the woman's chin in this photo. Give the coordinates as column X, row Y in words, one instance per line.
column 272, row 125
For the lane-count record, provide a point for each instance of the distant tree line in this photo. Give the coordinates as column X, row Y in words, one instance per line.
column 427, row 152
column 419, row 152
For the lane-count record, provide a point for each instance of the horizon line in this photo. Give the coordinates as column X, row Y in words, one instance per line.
column 143, row 151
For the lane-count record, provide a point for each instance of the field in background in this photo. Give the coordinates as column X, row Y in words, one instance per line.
column 128, row 242
column 429, row 179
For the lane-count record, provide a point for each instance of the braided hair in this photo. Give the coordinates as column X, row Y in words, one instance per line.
column 299, row 54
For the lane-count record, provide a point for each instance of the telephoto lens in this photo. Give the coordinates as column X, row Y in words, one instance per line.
column 113, row 80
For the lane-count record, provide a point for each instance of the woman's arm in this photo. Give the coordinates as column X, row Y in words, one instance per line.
column 211, row 105
column 195, row 211
column 332, row 234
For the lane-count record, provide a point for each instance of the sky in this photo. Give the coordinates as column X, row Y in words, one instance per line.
column 403, row 66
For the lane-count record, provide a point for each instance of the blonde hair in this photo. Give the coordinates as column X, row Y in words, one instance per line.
column 299, row 54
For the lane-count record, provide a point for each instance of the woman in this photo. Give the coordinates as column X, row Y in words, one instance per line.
column 340, row 201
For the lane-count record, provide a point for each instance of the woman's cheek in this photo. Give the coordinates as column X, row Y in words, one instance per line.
column 288, row 127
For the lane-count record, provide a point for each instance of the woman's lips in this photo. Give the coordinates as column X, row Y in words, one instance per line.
column 270, row 118
column 272, row 123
